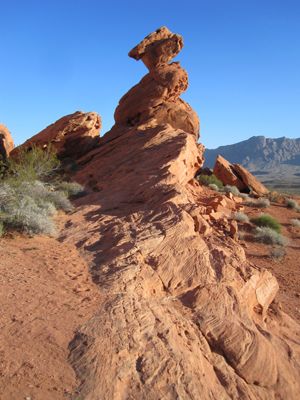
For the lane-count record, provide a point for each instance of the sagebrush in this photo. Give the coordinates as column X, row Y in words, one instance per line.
column 31, row 192
column 268, row 221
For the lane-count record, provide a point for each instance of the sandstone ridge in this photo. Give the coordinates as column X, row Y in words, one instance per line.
column 71, row 136
column 185, row 314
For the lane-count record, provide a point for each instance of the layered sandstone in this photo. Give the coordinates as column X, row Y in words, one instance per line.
column 6, row 142
column 70, row 136
column 185, row 315
column 237, row 175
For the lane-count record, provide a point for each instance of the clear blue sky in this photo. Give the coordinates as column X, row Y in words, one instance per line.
column 243, row 60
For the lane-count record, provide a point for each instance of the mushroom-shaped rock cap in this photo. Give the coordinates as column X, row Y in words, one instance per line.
column 158, row 48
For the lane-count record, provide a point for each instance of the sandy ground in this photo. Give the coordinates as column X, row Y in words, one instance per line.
column 46, row 293
column 287, row 269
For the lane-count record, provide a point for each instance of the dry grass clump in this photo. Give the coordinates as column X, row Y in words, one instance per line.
column 269, row 236
column 231, row 189
column 277, row 253
column 292, row 204
column 240, row 217
column 71, row 188
column 295, row 222
column 213, row 186
column 259, row 203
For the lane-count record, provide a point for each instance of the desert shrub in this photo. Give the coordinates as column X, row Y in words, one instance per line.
column 32, row 164
column 244, row 196
column 240, row 217
column 31, row 191
column 291, row 203
column 267, row 220
column 210, row 179
column 277, row 253
column 275, row 197
column 1, row 229
column 232, row 189
column 259, row 203
column 60, row 200
column 295, row 222
column 269, row 236
column 71, row 188
column 22, row 212
column 213, row 186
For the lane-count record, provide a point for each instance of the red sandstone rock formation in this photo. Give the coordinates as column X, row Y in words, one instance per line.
column 236, row 175
column 71, row 136
column 6, row 142
column 184, row 315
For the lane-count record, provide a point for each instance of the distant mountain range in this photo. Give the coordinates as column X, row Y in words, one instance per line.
column 276, row 162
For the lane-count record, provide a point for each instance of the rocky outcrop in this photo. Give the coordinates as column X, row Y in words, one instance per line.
column 6, row 142
column 183, row 315
column 249, row 180
column 236, row 175
column 71, row 136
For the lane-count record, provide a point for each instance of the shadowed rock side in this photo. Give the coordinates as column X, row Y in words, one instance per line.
column 185, row 315
column 71, row 136
column 6, row 142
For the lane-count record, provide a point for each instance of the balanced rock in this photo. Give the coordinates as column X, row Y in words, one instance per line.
column 237, row 175
column 70, row 136
column 183, row 313
column 155, row 100
column 6, row 142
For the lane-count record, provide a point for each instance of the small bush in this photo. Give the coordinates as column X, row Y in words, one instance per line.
column 244, row 196
column 210, row 179
column 213, row 186
column 32, row 164
column 295, row 222
column 275, row 197
column 292, row 204
column 277, row 253
column 240, row 217
column 259, row 203
column 71, row 188
column 267, row 221
column 269, row 236
column 232, row 189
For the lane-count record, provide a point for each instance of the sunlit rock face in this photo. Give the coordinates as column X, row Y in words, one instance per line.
column 6, row 142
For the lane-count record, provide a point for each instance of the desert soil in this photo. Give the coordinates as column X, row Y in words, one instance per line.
column 46, row 293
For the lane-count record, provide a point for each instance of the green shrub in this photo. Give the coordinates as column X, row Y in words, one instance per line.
column 32, row 165
column 259, row 203
column 269, row 236
column 295, row 222
column 267, row 221
column 240, row 217
column 232, row 189
column 210, row 179
column 31, row 192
